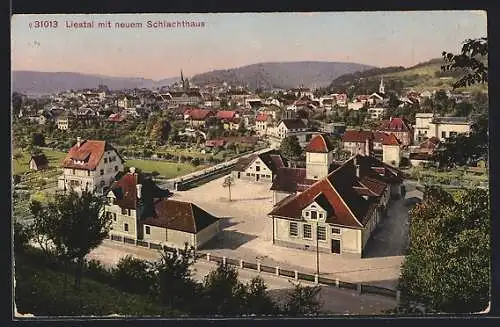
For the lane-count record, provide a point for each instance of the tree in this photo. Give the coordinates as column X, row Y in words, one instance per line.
column 303, row 300
column 290, row 148
column 75, row 224
column 174, row 286
column 37, row 139
column 448, row 269
column 472, row 61
column 22, row 236
column 257, row 299
column 228, row 182
column 223, row 293
column 134, row 275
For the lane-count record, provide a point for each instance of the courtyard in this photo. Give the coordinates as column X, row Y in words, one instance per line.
column 247, row 235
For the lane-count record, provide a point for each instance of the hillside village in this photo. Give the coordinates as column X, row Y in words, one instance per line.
column 358, row 160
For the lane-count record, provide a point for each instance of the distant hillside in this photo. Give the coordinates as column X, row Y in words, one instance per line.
column 423, row 76
column 33, row 82
column 311, row 74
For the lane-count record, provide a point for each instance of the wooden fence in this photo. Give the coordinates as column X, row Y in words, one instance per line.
column 277, row 271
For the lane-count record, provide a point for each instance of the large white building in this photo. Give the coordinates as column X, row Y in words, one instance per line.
column 91, row 165
column 332, row 207
column 429, row 125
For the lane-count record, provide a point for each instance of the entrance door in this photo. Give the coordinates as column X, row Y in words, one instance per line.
column 257, row 177
column 238, row 174
column 336, row 246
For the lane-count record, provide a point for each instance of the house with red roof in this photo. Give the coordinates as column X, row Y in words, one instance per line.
column 400, row 127
column 259, row 167
column 262, row 122
column 358, row 141
column 91, row 165
column 338, row 212
column 196, row 117
column 142, row 213
column 117, row 117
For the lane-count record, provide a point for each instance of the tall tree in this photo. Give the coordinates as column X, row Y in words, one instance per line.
column 290, row 148
column 75, row 224
column 303, row 300
column 447, row 267
column 472, row 61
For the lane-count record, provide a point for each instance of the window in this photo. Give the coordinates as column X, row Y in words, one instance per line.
column 103, row 183
column 335, row 230
column 73, row 171
column 125, row 227
column 102, row 171
column 320, row 216
column 294, row 229
column 453, row 134
column 88, row 172
column 124, row 211
column 314, row 215
column 307, row 231
column 307, row 213
column 128, row 212
column 443, row 135
column 148, row 230
column 116, row 168
column 321, row 233
column 257, row 168
column 114, row 216
column 248, row 174
column 105, row 160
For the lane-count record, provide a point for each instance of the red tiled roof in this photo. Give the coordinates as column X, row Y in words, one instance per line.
column 319, row 144
column 127, row 185
column 262, row 117
column 344, row 192
column 214, row 143
column 197, row 114
column 357, row 136
column 181, row 216
column 391, row 139
column 395, row 124
column 117, row 117
column 288, row 179
column 225, row 114
column 90, row 151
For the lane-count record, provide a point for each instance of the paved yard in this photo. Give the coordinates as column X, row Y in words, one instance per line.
column 248, row 235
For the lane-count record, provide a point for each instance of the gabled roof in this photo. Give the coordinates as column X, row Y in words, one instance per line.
column 430, row 143
column 391, row 139
column 352, row 199
column 272, row 159
column 262, row 117
column 40, row 160
column 294, row 123
column 90, row 151
column 226, row 114
column 197, row 114
column 395, row 124
column 181, row 216
column 357, row 136
column 319, row 144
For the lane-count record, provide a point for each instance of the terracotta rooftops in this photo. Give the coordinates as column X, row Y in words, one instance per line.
column 86, row 155
column 319, row 144
column 197, row 114
column 261, row 117
column 226, row 114
column 348, row 198
column 357, row 136
column 395, row 124
column 178, row 215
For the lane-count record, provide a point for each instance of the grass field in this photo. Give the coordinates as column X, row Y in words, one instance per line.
column 40, row 291
column 22, row 165
column 166, row 169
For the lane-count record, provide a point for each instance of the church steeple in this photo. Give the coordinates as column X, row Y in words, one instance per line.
column 182, row 79
column 381, row 88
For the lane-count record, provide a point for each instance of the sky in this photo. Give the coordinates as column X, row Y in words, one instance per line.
column 229, row 40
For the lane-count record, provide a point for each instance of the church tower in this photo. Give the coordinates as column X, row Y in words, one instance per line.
column 381, row 88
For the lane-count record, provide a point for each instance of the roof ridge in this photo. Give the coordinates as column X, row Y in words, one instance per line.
column 343, row 202
column 193, row 218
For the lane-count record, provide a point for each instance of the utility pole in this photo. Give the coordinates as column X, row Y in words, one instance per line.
column 317, row 248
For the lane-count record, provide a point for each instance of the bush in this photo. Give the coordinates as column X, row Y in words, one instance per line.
column 154, row 173
column 133, row 275
column 16, row 179
column 195, row 162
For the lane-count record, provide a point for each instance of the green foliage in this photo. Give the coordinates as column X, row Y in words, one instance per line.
column 134, row 275
column 472, row 59
column 73, row 224
column 22, row 236
column 447, row 267
column 290, row 148
column 303, row 300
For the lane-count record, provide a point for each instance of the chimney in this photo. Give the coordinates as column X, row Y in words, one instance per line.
column 357, row 170
column 78, row 141
column 139, row 188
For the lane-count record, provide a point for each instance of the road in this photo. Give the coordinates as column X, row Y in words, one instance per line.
column 334, row 301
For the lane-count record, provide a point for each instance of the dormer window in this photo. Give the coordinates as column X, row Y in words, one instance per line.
column 314, row 215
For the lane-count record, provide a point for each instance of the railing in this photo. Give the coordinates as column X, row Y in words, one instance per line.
column 277, row 271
